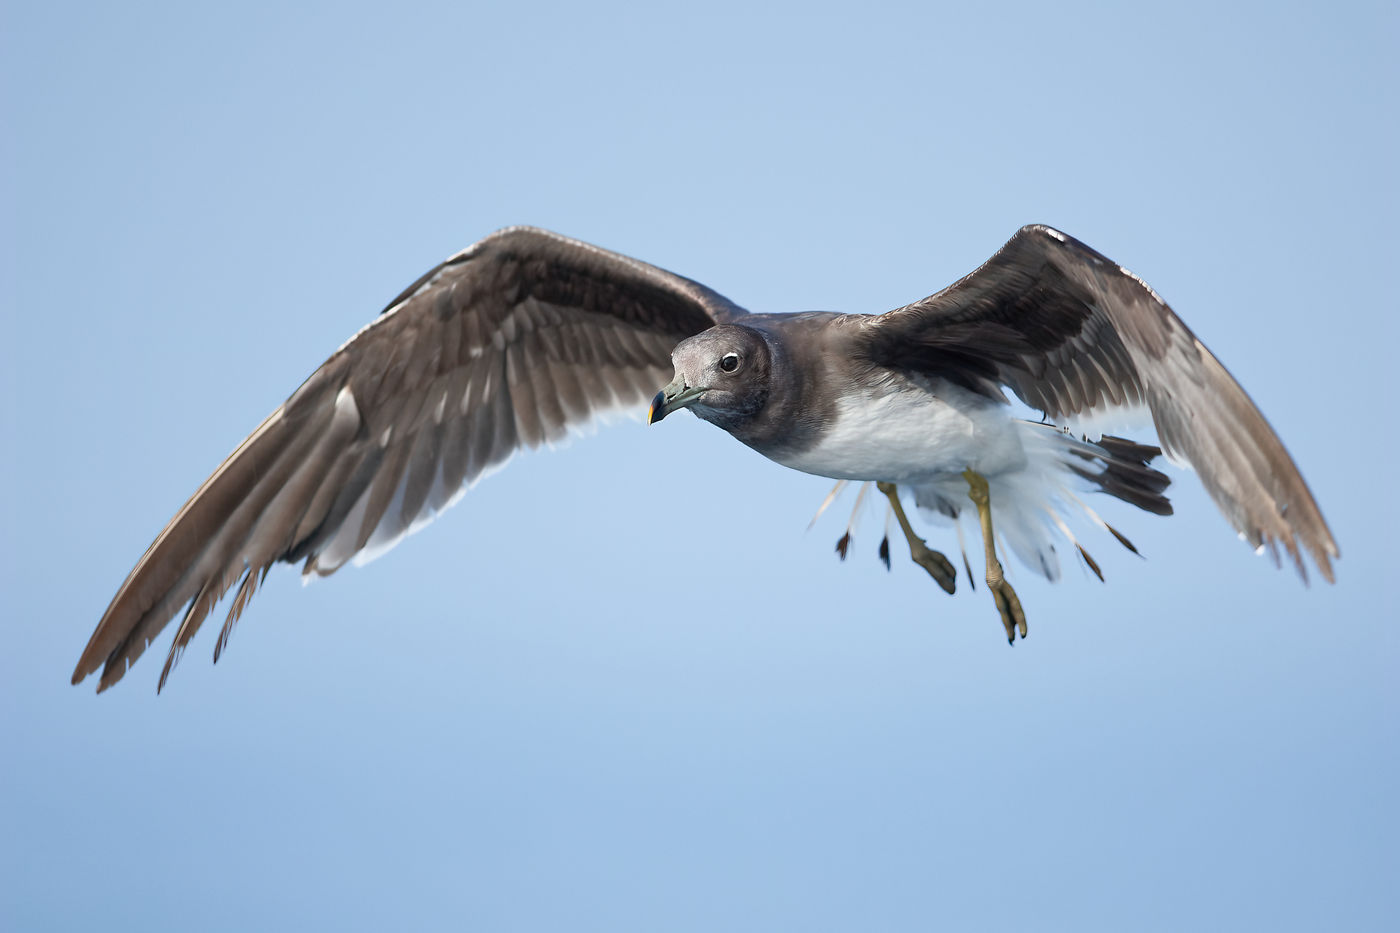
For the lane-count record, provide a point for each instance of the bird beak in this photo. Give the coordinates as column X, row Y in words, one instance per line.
column 675, row 396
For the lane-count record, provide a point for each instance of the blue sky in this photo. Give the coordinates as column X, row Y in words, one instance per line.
column 527, row 717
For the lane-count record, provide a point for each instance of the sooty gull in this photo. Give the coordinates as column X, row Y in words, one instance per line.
column 527, row 336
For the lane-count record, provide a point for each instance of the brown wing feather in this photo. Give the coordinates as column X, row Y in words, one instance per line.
column 512, row 343
column 1070, row 332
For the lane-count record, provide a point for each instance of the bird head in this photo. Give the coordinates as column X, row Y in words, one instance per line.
column 721, row 375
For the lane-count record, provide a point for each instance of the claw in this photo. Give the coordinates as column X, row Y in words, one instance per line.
column 1013, row 618
column 938, row 566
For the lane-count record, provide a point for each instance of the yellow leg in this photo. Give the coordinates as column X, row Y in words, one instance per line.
column 938, row 566
column 1008, row 603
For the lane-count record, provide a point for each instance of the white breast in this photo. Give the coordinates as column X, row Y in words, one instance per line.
column 905, row 436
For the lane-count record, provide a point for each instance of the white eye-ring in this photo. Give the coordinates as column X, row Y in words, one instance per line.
column 729, row 362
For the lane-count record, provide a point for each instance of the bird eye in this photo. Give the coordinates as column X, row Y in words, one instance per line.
column 729, row 362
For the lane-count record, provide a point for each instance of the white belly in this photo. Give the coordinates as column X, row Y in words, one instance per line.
column 911, row 437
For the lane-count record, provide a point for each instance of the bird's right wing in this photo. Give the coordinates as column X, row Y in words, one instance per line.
column 514, row 342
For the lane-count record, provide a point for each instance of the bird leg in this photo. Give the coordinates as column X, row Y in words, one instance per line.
column 1008, row 603
column 938, row 566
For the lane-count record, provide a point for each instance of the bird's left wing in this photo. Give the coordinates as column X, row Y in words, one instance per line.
column 1073, row 333
column 512, row 343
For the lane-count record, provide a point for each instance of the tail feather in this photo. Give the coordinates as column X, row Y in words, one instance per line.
column 1126, row 472
column 1030, row 505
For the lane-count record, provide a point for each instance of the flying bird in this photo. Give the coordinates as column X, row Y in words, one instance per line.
column 528, row 336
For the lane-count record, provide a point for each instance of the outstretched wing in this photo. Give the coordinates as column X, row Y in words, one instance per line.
column 514, row 342
column 1073, row 333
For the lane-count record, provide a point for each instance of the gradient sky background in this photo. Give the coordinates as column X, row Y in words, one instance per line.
column 543, row 713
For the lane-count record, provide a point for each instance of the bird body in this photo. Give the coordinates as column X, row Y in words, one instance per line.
column 914, row 431
column 526, row 337
column 882, row 424
column 910, row 431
